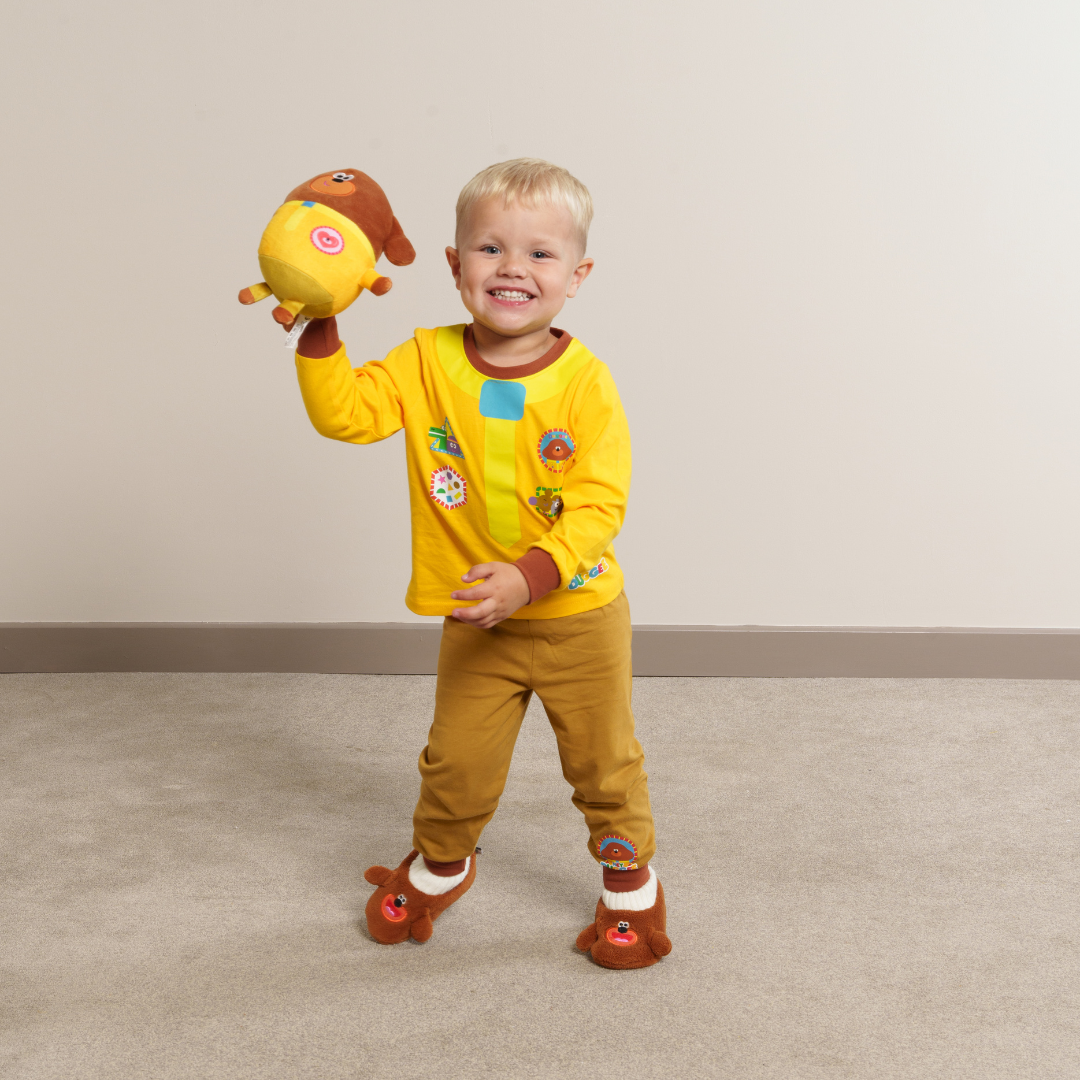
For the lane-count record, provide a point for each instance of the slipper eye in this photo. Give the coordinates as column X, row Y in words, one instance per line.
column 401, row 900
column 623, row 927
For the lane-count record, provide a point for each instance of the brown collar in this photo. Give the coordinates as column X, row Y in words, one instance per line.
column 519, row 372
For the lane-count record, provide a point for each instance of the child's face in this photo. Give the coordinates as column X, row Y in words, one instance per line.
column 516, row 265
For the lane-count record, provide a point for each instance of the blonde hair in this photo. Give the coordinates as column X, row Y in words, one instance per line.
column 530, row 181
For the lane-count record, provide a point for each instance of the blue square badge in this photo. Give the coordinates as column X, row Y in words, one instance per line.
column 501, row 400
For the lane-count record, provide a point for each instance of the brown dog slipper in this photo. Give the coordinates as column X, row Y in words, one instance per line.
column 397, row 910
column 627, row 939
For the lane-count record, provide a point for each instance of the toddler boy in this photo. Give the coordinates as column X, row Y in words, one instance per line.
column 519, row 466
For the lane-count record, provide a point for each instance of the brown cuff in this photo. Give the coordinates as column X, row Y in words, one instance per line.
column 626, row 880
column 540, row 572
column 319, row 339
column 444, row 869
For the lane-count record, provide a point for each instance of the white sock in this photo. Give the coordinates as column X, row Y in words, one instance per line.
column 421, row 878
column 637, row 900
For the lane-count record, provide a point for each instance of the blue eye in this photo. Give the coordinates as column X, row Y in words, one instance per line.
column 490, row 249
column 540, row 254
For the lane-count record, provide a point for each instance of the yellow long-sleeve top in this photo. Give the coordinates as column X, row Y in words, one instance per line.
column 496, row 466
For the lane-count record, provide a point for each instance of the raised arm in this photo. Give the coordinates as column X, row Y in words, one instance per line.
column 360, row 405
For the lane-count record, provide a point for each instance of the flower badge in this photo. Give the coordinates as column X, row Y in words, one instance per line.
column 448, row 488
column 556, row 449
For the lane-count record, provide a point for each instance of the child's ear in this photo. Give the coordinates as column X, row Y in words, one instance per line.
column 454, row 260
column 581, row 272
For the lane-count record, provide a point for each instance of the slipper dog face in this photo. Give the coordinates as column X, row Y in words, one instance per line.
column 397, row 911
column 627, row 939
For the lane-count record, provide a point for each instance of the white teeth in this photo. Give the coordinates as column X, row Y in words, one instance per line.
column 507, row 294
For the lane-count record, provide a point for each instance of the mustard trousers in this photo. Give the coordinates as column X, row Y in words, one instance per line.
column 579, row 666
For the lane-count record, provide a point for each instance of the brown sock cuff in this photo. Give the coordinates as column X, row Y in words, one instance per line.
column 445, row 869
column 626, row 880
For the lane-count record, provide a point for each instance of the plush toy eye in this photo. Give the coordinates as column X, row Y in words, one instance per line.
column 341, row 177
column 623, row 927
column 400, row 900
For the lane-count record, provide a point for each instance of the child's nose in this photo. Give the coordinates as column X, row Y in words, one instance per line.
column 513, row 265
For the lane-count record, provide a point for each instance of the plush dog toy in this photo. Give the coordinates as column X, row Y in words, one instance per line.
column 320, row 249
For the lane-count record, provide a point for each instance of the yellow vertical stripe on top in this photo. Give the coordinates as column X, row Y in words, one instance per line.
column 500, row 475
column 297, row 216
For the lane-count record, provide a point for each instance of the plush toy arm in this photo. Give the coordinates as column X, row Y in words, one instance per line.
column 255, row 293
column 286, row 312
column 397, row 247
column 374, row 281
column 422, row 927
column 587, row 938
column 378, row 875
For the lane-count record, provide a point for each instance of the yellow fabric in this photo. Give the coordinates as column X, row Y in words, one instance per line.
column 294, row 286
column 296, row 269
column 500, row 474
column 428, row 381
column 260, row 292
column 579, row 667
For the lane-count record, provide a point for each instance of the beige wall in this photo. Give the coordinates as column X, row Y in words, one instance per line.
column 837, row 282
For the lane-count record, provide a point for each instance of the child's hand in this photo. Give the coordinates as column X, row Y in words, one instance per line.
column 503, row 591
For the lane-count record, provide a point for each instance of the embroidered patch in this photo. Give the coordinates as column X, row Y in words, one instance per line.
column 556, row 448
column 602, row 567
column 445, row 441
column 448, row 488
column 328, row 241
column 617, row 853
column 548, row 501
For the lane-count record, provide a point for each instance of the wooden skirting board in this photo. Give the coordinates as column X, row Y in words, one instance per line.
column 412, row 649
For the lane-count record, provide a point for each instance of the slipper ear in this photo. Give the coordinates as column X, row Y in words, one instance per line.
column 422, row 927
column 659, row 942
column 587, row 937
column 378, row 875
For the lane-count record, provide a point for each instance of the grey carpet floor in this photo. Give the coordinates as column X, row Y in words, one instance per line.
column 867, row 879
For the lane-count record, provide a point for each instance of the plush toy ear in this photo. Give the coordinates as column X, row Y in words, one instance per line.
column 422, row 927
column 397, row 247
column 659, row 942
column 587, row 937
column 378, row 875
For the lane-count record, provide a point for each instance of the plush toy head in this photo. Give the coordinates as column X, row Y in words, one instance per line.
column 319, row 251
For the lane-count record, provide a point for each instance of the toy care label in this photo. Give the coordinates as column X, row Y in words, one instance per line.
column 293, row 335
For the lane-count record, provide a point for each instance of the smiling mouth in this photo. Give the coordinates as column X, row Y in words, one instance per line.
column 511, row 296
